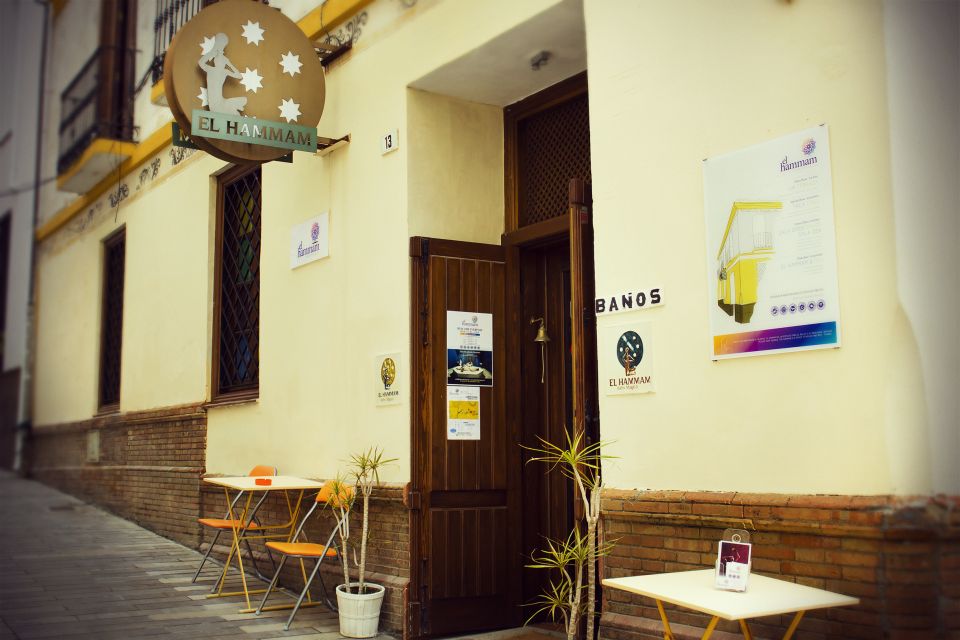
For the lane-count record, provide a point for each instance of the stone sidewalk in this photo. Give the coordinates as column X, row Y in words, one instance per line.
column 70, row 570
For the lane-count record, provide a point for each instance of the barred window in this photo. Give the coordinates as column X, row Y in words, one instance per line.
column 111, row 321
column 236, row 358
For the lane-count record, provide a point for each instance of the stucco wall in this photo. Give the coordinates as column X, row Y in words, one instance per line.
column 167, row 294
column 671, row 84
column 21, row 41
column 322, row 324
column 923, row 86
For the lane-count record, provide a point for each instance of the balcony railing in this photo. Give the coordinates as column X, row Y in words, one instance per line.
column 93, row 105
column 171, row 15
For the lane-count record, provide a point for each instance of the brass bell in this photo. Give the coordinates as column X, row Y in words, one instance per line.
column 541, row 331
column 542, row 339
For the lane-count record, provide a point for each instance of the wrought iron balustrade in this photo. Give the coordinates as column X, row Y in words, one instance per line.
column 94, row 105
column 171, row 15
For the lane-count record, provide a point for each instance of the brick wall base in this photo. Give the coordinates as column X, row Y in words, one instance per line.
column 147, row 467
column 900, row 556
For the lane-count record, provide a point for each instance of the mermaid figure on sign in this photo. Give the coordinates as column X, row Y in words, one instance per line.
column 217, row 74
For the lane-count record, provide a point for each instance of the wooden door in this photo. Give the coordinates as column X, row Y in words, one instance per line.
column 463, row 495
column 544, row 402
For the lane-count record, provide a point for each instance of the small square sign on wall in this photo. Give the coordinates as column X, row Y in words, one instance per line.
column 390, row 141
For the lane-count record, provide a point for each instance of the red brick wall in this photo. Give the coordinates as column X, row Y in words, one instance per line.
column 148, row 472
column 900, row 556
column 388, row 548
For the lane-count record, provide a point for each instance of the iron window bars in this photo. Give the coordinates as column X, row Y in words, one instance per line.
column 95, row 104
column 111, row 336
column 237, row 358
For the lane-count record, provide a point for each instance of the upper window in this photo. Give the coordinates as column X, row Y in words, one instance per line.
column 111, row 320
column 236, row 362
column 547, row 142
column 98, row 101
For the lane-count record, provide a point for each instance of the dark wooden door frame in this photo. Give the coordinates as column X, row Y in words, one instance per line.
column 512, row 116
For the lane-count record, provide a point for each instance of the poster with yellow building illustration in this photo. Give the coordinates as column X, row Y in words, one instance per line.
column 771, row 247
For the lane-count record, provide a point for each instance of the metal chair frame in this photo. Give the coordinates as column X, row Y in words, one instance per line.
column 331, row 542
column 246, row 541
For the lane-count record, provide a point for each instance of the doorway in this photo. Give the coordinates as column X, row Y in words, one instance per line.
column 478, row 509
column 545, row 400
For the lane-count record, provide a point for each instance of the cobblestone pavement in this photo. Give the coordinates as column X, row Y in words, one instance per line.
column 71, row 570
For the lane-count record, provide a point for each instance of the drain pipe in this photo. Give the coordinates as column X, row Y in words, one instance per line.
column 24, row 425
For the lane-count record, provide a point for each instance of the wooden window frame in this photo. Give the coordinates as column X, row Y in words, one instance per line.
column 217, row 397
column 110, row 404
column 559, row 93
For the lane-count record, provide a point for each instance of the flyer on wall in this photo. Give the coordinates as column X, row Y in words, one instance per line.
column 625, row 354
column 771, row 247
column 470, row 348
column 463, row 413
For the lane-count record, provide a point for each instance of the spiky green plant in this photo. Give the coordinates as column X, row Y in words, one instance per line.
column 563, row 597
column 580, row 462
column 341, row 501
column 365, row 469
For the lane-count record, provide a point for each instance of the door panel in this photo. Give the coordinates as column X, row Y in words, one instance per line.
column 467, row 564
column 545, row 405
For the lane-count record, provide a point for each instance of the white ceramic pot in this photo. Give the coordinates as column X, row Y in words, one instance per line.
column 359, row 613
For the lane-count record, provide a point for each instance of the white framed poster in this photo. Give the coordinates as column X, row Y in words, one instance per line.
column 388, row 386
column 463, row 413
column 470, row 348
column 309, row 241
column 771, row 247
column 626, row 358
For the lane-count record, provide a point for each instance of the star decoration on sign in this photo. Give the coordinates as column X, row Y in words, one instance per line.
column 207, row 45
column 250, row 79
column 253, row 33
column 203, row 97
column 289, row 110
column 291, row 64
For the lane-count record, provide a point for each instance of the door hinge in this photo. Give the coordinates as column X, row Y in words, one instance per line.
column 411, row 500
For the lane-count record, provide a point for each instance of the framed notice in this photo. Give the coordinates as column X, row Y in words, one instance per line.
column 470, row 348
column 309, row 241
column 626, row 358
column 388, row 386
column 733, row 565
column 771, row 247
column 463, row 413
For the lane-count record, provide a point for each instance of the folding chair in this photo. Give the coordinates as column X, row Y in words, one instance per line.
column 336, row 495
column 228, row 522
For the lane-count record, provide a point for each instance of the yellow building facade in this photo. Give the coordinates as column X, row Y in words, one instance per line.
column 844, row 458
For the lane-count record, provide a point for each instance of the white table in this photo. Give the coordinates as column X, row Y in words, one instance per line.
column 764, row 597
column 284, row 531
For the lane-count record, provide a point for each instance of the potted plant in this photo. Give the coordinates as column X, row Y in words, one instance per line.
column 564, row 598
column 359, row 602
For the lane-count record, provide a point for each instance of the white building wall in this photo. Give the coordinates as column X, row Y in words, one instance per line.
column 673, row 83
column 923, row 89
column 21, row 39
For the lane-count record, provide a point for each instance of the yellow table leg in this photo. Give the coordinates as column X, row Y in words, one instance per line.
column 667, row 633
column 793, row 625
column 237, row 533
column 710, row 627
column 745, row 629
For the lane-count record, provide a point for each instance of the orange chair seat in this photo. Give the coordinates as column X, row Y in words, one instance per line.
column 220, row 523
column 307, row 549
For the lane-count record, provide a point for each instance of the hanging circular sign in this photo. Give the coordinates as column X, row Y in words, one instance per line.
column 244, row 82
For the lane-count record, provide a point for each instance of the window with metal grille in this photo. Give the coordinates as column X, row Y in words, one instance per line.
column 553, row 146
column 236, row 366
column 547, row 142
column 111, row 329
